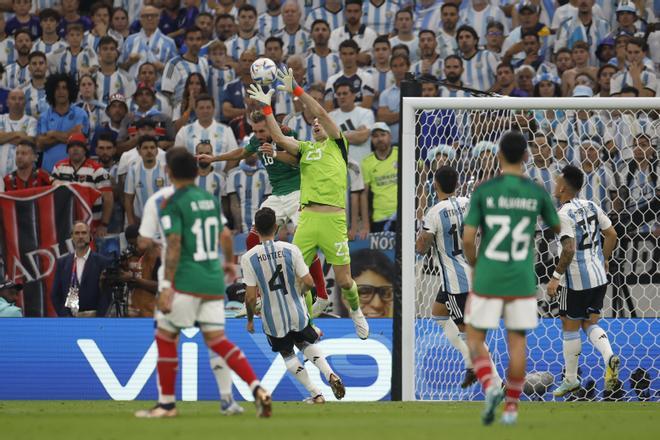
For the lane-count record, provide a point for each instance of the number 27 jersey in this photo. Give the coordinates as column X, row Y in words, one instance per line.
column 445, row 222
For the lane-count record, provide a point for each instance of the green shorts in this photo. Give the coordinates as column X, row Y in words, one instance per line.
column 323, row 230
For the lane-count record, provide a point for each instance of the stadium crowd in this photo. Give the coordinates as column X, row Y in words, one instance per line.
column 96, row 93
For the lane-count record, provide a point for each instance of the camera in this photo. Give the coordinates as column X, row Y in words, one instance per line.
column 113, row 284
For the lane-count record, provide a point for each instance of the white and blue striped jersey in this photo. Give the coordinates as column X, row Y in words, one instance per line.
column 237, row 45
column 381, row 80
column 447, row 44
column 445, row 222
column 39, row 5
column 572, row 30
column 64, row 61
column 479, row 19
column 251, row 188
column 8, row 53
column 95, row 113
column 283, row 104
column 274, row 267
column 319, row 68
column 26, row 124
column 335, row 20
column 479, row 71
column 380, row 18
column 625, row 127
column 162, row 105
column 642, row 184
column 583, row 220
column 133, row 8
column 41, row 46
column 269, row 24
column 623, row 79
column 543, row 176
column 217, row 80
column 219, row 135
column 297, row 43
column 143, row 183
column 362, row 81
column 427, row 18
column 296, row 122
column 35, row 100
column 158, row 47
column 598, row 184
column 573, row 131
column 213, row 183
column 176, row 72
column 92, row 41
column 117, row 82
column 437, row 68
column 413, row 47
column 15, row 76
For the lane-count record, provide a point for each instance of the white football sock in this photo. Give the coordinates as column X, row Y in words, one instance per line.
column 313, row 353
column 599, row 339
column 454, row 337
column 572, row 345
column 222, row 374
column 294, row 367
column 495, row 378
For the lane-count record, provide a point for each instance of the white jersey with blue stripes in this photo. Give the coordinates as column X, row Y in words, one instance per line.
column 584, row 221
column 143, row 183
column 269, row 24
column 335, row 20
column 16, row 76
column 213, row 183
column 380, row 18
column 251, row 188
column 176, row 72
column 598, row 185
column 479, row 70
column 445, row 222
column 41, row 46
column 274, row 267
column 297, row 122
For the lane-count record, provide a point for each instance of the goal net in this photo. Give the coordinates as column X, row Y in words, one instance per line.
column 615, row 142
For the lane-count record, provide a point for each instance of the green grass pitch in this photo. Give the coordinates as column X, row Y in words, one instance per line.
column 96, row 420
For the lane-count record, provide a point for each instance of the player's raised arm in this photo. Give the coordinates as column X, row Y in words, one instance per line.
column 289, row 85
column 235, row 154
column 289, row 144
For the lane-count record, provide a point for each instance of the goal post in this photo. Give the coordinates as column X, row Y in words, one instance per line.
column 464, row 132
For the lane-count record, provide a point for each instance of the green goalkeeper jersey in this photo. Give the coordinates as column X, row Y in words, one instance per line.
column 194, row 214
column 506, row 209
column 284, row 178
column 323, row 172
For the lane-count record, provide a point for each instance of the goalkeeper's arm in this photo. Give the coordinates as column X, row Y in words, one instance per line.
column 319, row 112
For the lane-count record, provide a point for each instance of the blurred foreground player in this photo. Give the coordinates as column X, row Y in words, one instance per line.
column 505, row 209
column 192, row 290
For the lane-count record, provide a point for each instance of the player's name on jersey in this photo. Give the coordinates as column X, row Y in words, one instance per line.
column 448, row 212
column 202, row 205
column 270, row 256
column 513, row 203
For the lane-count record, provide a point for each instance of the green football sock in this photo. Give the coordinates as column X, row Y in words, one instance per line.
column 309, row 301
column 351, row 295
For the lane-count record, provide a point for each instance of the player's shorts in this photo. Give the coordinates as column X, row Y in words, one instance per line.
column 485, row 312
column 286, row 343
column 286, row 207
column 326, row 231
column 455, row 303
column 188, row 311
column 579, row 304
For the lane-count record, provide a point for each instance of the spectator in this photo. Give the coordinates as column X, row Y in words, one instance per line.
column 605, row 50
column 15, row 127
column 479, row 65
column 543, row 170
column 357, row 214
column 321, row 62
column 88, row 101
column 26, row 175
column 179, row 68
column 247, row 187
column 478, row 13
column 296, row 39
column 635, row 74
column 599, row 184
column 580, row 57
column 585, row 26
column 145, row 98
column 207, row 179
column 495, row 38
column 23, row 19
column 620, row 50
column 454, row 72
column 248, row 35
column 221, row 73
column 70, row 16
column 106, row 151
column 626, row 18
column 233, row 104
column 50, row 40
column 7, row 52
column 570, row 10
column 35, row 88
column 284, row 102
column 186, row 20
column 275, row 50
column 119, row 24
column 147, row 76
column 225, row 27
column 447, row 42
column 78, row 168
column 563, row 61
column 403, row 23
column 380, row 171
column 625, row 125
column 204, row 21
column 640, row 182
column 184, row 112
column 388, row 103
column 73, row 59
column 505, row 83
column 76, row 290
column 168, row 20
column 524, row 79
column 9, row 294
column 17, row 73
column 484, row 163
column 116, row 123
column 354, row 30
column 431, row 61
column 331, row 11
column 380, row 72
column 532, row 47
column 547, row 86
column 355, row 122
column 143, row 127
column 605, row 75
column 426, row 12
column 144, row 178
column 100, row 14
column 529, row 17
column 271, row 21
column 361, row 81
column 109, row 79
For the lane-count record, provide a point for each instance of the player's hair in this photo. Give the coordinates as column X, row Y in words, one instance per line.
column 349, row 44
column 49, row 13
column 204, row 97
column 265, row 221
column 573, row 176
column 454, row 57
column 513, row 146
column 51, row 84
column 247, row 7
column 106, row 136
column 181, row 163
column 629, row 89
column 192, row 29
column 23, row 30
column 273, row 39
column 107, row 40
column 319, row 21
column 146, row 138
column 36, row 54
column 257, row 116
column 447, row 178
column 383, row 39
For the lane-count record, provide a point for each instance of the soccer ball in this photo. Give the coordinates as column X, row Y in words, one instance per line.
column 263, row 71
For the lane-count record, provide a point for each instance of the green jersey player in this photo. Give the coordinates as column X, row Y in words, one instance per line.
column 192, row 290
column 505, row 209
column 323, row 181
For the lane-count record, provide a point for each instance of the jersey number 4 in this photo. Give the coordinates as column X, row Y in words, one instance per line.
column 206, row 239
column 276, row 282
column 519, row 239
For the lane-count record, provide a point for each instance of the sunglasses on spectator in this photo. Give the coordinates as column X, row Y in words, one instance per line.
column 495, row 33
column 368, row 292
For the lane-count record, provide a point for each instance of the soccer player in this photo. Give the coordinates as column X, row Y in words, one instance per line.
column 323, row 181
column 505, row 208
column 275, row 267
column 443, row 226
column 582, row 273
column 191, row 222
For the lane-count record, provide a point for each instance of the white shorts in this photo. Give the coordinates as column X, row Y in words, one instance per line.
column 485, row 312
column 286, row 207
column 189, row 311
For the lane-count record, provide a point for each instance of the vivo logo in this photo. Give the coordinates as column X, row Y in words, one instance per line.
column 189, row 364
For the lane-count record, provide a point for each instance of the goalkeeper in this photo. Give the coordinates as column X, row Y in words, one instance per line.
column 323, row 180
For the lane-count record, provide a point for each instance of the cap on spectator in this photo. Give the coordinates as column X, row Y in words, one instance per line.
column 626, row 6
column 529, row 6
column 582, row 92
column 484, row 146
column 146, row 122
column 117, row 97
column 381, row 126
column 623, row 34
column 445, row 150
column 546, row 77
column 143, row 86
column 9, row 284
column 77, row 139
